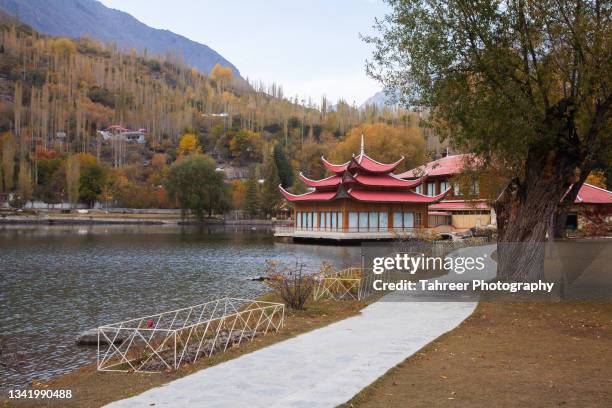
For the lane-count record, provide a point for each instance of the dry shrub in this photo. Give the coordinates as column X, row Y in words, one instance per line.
column 292, row 283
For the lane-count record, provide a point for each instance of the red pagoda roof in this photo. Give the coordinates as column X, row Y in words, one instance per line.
column 460, row 205
column 326, row 182
column 590, row 194
column 310, row 196
column 362, row 162
column 446, row 166
column 386, row 180
column 394, row 196
column 362, row 179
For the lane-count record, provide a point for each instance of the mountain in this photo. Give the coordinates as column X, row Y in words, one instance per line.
column 78, row 18
column 379, row 99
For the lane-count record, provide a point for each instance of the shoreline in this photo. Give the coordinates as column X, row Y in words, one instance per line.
column 127, row 219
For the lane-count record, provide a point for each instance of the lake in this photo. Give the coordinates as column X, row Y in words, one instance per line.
column 57, row 281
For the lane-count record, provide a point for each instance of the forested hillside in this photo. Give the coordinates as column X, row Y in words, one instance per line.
column 91, row 18
column 56, row 94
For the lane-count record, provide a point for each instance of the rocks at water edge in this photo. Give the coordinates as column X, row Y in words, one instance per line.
column 90, row 338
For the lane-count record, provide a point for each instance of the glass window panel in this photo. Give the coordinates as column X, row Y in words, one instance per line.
column 340, row 223
column 314, row 220
column 323, row 218
column 397, row 220
column 408, row 220
column 373, row 221
column 419, row 189
column 382, row 221
column 443, row 186
column 333, row 221
column 417, row 220
column 353, row 221
column 298, row 219
column 363, row 221
column 431, row 189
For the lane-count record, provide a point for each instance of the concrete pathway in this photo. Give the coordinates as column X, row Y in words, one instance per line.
column 324, row 367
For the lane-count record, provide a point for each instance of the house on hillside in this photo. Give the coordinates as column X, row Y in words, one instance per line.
column 361, row 200
column 121, row 134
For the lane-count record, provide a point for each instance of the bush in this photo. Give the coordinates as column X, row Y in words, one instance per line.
column 292, row 284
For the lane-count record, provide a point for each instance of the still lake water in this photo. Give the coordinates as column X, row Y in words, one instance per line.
column 57, row 281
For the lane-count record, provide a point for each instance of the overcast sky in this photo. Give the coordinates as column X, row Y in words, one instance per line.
column 311, row 47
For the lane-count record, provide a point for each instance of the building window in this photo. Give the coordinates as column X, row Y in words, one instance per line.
column 363, row 221
column 314, row 219
column 323, row 219
column 456, row 189
column 298, row 220
column 419, row 189
column 443, row 186
column 397, row 220
column 408, row 220
column 431, row 189
column 405, row 220
column 382, row 221
column 340, row 224
column 373, row 222
column 417, row 220
column 353, row 221
column 475, row 188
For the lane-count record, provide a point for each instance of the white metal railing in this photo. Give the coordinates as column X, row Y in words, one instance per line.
column 166, row 340
column 339, row 285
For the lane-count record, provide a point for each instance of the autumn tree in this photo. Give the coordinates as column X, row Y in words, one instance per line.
column 385, row 143
column 188, row 145
column 196, row 185
column 7, row 164
column 524, row 83
column 72, row 172
column 238, row 194
column 24, row 183
column 92, row 179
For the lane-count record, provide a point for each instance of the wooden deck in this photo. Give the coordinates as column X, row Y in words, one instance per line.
column 322, row 234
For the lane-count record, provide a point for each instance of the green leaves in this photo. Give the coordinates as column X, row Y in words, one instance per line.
column 195, row 185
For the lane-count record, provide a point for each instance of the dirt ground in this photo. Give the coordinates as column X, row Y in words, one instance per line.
column 508, row 355
column 91, row 388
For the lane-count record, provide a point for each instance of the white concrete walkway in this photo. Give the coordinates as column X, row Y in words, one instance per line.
column 322, row 368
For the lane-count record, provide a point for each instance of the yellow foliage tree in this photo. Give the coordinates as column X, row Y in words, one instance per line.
column 238, row 194
column 188, row 145
column 384, row 143
column 597, row 178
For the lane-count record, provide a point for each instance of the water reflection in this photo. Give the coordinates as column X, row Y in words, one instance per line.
column 60, row 280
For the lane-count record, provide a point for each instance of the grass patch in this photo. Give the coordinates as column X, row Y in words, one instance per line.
column 508, row 355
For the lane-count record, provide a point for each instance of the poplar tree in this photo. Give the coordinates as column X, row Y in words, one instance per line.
column 270, row 196
column 251, row 199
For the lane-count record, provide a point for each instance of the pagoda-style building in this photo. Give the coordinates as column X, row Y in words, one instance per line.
column 362, row 199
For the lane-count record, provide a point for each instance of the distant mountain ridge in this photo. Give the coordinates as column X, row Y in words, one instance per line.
column 379, row 99
column 78, row 18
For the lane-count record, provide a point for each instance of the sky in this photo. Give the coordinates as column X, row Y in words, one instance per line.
column 312, row 48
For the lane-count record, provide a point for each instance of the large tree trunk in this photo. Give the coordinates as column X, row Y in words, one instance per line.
column 524, row 212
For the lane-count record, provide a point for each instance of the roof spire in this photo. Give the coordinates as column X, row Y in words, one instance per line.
column 362, row 152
